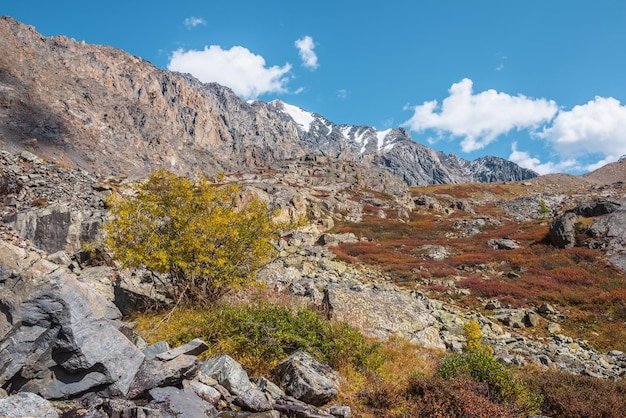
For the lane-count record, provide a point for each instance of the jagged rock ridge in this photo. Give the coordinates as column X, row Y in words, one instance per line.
column 102, row 109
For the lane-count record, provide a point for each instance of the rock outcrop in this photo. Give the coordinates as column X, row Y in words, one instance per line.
column 604, row 228
column 56, row 208
column 59, row 340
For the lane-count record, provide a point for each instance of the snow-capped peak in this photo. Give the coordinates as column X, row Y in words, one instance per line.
column 300, row 116
column 359, row 136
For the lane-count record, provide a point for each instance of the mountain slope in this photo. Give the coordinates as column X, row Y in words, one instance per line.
column 610, row 173
column 102, row 109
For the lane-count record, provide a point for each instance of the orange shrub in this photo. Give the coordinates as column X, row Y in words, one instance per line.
column 494, row 288
column 437, row 288
column 460, row 397
column 442, row 270
column 570, row 396
column 471, row 259
column 614, row 297
column 532, row 232
column 502, row 231
column 398, row 263
column 574, row 276
column 583, row 254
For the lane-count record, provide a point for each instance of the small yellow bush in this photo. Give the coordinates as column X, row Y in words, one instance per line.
column 193, row 232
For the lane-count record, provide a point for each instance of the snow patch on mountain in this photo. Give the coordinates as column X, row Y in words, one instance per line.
column 301, row 117
column 382, row 146
column 329, row 125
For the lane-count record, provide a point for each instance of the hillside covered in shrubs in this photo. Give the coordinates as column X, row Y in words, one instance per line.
column 449, row 300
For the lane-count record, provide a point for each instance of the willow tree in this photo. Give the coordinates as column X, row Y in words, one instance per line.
column 193, row 232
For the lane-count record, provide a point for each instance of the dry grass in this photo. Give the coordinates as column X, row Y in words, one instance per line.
column 479, row 191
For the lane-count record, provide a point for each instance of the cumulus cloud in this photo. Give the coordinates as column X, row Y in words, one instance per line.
column 524, row 159
column 192, row 22
column 237, row 68
column 306, row 48
column 478, row 119
column 595, row 128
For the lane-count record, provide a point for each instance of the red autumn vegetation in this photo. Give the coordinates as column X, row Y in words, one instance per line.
column 576, row 280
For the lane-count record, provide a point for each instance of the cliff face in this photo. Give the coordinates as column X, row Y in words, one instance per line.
column 99, row 108
column 106, row 110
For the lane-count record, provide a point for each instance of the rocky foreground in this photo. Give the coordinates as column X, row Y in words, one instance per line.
column 61, row 340
column 62, row 336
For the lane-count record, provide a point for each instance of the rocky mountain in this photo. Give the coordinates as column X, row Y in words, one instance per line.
column 394, row 150
column 101, row 109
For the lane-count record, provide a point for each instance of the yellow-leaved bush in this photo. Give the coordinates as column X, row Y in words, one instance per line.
column 193, row 231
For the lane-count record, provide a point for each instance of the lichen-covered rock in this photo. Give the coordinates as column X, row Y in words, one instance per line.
column 194, row 347
column 562, row 230
column 253, row 400
column 228, row 373
column 206, row 392
column 152, row 350
column 503, row 244
column 26, row 404
column 155, row 373
column 609, row 233
column 176, row 403
column 387, row 310
column 307, row 380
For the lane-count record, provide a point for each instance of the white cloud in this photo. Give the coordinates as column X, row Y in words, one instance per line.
column 343, row 94
column 192, row 22
column 237, row 68
column 595, row 128
column 306, row 48
column 480, row 118
column 524, row 159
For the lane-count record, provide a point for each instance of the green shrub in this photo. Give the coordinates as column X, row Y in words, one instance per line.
column 544, row 209
column 262, row 334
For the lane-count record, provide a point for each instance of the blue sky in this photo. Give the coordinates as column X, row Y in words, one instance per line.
column 539, row 82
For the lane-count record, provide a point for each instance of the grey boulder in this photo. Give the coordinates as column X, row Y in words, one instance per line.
column 228, row 373
column 176, row 403
column 307, row 380
column 56, row 336
column 26, row 404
